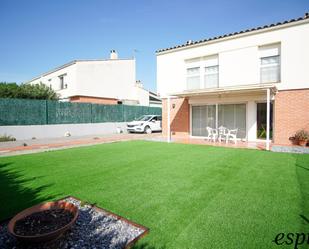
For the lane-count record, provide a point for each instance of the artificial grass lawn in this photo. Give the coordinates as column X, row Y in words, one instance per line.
column 190, row 196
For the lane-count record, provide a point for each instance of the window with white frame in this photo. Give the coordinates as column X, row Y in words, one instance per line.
column 193, row 78
column 211, row 73
column 61, row 78
column 211, row 76
column 270, row 63
column 63, row 85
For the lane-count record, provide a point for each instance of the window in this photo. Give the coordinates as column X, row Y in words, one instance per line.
column 211, row 73
column 203, row 116
column 270, row 63
column 193, row 78
column 61, row 78
column 211, row 77
column 231, row 116
column 261, row 118
column 144, row 118
column 203, row 72
column 270, row 69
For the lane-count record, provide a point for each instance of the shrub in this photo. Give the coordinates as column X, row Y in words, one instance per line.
column 5, row 138
column 27, row 91
column 301, row 135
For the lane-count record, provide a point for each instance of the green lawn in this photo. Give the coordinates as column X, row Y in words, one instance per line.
column 190, row 196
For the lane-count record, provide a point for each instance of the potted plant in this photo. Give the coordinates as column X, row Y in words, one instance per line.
column 302, row 137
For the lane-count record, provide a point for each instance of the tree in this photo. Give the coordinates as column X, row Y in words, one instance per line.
column 27, row 91
column 8, row 90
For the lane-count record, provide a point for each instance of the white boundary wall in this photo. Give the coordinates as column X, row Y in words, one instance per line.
column 53, row 131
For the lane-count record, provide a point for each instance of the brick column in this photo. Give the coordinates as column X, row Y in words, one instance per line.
column 180, row 117
column 291, row 113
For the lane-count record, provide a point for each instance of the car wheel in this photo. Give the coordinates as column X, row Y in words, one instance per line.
column 148, row 130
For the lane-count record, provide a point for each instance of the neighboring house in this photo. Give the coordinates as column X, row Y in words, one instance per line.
column 228, row 81
column 110, row 81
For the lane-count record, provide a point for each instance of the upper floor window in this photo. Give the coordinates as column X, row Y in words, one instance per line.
column 211, row 73
column 61, row 78
column 211, row 77
column 63, row 85
column 193, row 78
column 202, row 72
column 270, row 63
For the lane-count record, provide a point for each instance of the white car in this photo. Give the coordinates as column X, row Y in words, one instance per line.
column 146, row 123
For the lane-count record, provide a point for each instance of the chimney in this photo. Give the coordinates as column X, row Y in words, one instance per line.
column 113, row 55
column 139, row 84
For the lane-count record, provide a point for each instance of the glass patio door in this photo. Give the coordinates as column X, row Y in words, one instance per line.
column 203, row 116
column 261, row 120
column 231, row 116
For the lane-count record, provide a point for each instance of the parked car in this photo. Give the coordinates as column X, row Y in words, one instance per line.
column 146, row 123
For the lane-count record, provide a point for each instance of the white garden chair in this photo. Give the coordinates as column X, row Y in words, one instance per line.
column 212, row 134
column 222, row 132
column 231, row 136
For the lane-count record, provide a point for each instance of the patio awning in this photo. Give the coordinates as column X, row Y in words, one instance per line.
column 266, row 89
column 255, row 88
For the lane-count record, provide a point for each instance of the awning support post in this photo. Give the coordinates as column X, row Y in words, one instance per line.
column 268, row 119
column 168, row 119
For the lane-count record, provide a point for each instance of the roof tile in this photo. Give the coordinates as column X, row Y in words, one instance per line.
column 306, row 16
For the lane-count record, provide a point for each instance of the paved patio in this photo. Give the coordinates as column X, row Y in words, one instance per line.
column 39, row 145
column 201, row 141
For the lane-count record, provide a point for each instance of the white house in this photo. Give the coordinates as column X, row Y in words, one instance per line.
column 256, row 81
column 109, row 81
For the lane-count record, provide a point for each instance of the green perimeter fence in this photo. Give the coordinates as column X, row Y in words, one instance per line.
column 41, row 112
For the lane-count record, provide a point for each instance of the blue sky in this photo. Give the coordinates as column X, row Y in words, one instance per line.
column 38, row 35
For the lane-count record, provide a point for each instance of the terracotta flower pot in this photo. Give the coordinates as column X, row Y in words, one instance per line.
column 302, row 142
column 42, row 207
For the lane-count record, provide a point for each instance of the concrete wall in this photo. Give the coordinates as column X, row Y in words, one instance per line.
column 54, row 131
column 108, row 79
column 115, row 79
column 100, row 78
column 239, row 59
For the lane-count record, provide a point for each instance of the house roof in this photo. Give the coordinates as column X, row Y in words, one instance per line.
column 72, row 63
column 232, row 35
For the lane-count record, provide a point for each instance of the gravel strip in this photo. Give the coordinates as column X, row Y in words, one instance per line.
column 93, row 229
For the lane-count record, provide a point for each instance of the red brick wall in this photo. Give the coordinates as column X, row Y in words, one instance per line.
column 180, row 117
column 95, row 100
column 291, row 113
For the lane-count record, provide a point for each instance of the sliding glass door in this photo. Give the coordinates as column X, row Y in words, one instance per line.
column 203, row 116
column 231, row 116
